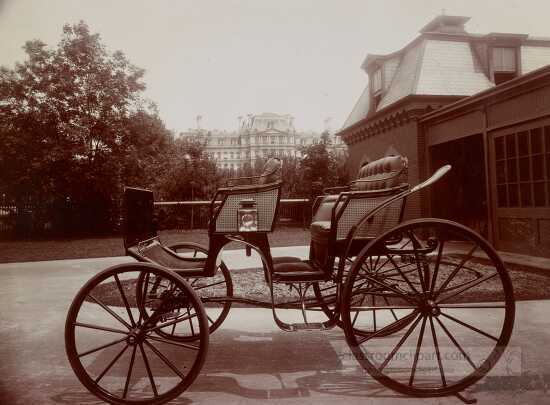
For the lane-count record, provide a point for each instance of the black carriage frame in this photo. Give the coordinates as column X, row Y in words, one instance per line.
column 142, row 243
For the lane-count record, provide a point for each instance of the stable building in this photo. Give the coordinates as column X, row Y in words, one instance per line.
column 478, row 102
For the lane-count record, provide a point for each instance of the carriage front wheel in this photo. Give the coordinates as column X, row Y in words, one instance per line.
column 115, row 351
column 455, row 286
column 215, row 293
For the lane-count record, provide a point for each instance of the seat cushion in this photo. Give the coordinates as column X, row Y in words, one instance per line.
column 320, row 231
column 324, row 210
column 286, row 259
column 380, row 174
column 296, row 272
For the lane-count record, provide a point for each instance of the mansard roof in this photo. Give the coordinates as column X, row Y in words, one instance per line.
column 444, row 60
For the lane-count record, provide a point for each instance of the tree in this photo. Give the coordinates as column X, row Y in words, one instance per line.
column 187, row 172
column 70, row 122
column 318, row 168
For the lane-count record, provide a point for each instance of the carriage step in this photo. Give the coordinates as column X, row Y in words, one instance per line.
column 295, row 327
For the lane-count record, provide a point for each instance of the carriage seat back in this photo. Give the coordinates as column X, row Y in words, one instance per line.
column 265, row 193
column 384, row 173
column 336, row 214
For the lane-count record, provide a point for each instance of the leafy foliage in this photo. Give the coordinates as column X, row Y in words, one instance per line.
column 74, row 127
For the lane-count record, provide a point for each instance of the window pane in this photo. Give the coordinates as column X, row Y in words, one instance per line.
column 539, row 194
column 501, row 172
column 536, row 140
column 499, row 147
column 523, row 143
column 510, row 145
column 377, row 80
column 524, row 169
column 513, row 200
column 501, row 194
column 512, row 171
column 538, row 167
column 504, row 59
column 525, row 191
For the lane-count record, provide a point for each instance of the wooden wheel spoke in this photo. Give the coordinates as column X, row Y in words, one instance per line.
column 104, row 346
column 148, row 368
column 379, row 332
column 384, row 273
column 417, row 353
column 438, row 354
column 436, row 267
column 466, row 287
column 357, row 313
column 165, row 360
column 399, row 344
column 404, row 276
column 171, row 342
column 209, row 319
column 388, row 304
column 456, row 270
column 98, row 327
column 455, row 342
column 472, row 306
column 129, row 375
column 209, row 285
column 100, row 376
column 416, row 246
column 190, row 322
column 469, row 326
column 388, row 308
column 391, row 288
column 110, row 311
column 121, row 290
column 172, row 322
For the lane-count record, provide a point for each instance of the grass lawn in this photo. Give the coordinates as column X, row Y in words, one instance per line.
column 58, row 249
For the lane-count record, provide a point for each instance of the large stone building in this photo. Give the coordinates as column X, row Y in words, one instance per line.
column 479, row 102
column 258, row 137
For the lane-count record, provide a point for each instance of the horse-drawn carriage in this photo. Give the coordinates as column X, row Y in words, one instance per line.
column 426, row 305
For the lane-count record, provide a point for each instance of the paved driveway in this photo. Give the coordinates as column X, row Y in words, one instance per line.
column 249, row 360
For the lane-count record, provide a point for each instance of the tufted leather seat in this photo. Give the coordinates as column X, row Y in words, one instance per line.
column 380, row 174
column 385, row 174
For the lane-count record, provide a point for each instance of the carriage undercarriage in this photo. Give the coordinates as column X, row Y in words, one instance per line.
column 412, row 302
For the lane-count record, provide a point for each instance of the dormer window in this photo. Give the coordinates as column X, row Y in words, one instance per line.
column 377, row 81
column 504, row 64
column 376, row 88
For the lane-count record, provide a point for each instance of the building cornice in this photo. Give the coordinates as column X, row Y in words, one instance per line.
column 400, row 113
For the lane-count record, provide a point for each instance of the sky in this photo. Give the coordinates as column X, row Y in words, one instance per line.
column 229, row 58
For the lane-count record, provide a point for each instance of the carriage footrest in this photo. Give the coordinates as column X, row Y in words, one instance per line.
column 295, row 327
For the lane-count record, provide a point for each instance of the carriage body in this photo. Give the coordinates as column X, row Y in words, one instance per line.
column 367, row 272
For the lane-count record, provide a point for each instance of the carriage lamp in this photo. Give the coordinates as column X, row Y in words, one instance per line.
column 247, row 216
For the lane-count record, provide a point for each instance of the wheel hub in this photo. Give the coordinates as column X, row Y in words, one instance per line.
column 431, row 308
column 135, row 337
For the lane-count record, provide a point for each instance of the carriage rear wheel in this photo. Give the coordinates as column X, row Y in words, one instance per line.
column 117, row 354
column 211, row 290
column 461, row 300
